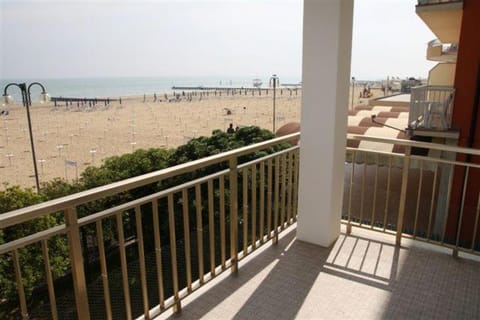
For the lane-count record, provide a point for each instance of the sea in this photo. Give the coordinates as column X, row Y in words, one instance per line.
column 128, row 86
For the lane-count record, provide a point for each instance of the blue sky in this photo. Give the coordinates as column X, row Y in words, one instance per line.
column 58, row 39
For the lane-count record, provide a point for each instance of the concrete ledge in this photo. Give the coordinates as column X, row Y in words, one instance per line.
column 390, row 101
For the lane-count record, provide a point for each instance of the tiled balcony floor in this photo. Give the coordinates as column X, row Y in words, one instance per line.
column 363, row 276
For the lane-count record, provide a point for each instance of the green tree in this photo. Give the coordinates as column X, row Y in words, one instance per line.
column 30, row 257
column 58, row 187
column 112, row 170
column 126, row 166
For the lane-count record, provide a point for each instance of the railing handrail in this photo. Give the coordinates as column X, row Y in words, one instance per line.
column 28, row 213
column 434, row 43
column 430, row 87
column 432, row 2
column 416, row 144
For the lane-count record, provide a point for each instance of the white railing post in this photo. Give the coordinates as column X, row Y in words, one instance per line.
column 76, row 260
column 403, row 194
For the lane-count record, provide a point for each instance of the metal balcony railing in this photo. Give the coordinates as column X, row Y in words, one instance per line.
column 429, row 198
column 431, row 107
column 153, row 250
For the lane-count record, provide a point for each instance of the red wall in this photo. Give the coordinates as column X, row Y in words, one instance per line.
column 468, row 62
column 466, row 74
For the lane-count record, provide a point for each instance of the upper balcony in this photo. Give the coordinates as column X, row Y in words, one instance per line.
column 443, row 17
column 431, row 107
column 437, row 51
column 139, row 256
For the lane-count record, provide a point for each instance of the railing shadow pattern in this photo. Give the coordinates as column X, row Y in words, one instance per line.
column 297, row 280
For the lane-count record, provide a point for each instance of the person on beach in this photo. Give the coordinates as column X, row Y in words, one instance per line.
column 231, row 129
column 365, row 92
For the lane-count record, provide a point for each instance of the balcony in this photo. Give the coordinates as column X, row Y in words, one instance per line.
column 443, row 17
column 431, row 108
column 437, row 51
column 363, row 276
column 172, row 250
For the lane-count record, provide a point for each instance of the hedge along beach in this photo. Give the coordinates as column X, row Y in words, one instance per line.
column 70, row 136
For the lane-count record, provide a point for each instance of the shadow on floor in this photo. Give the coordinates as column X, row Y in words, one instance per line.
column 359, row 277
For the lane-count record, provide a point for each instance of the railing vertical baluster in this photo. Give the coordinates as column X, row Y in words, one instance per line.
column 475, row 226
column 449, row 193
column 262, row 201
column 295, row 185
column 245, row 209
column 186, row 238
column 283, row 192
column 362, row 196
column 387, row 198
column 76, row 258
column 289, row 187
column 177, row 308
column 254, row 206
column 211, row 227
column 123, row 262
column 462, row 208
column 419, row 194
column 269, row 199
column 103, row 269
column 141, row 258
column 350, row 194
column 432, row 202
column 233, row 213
column 222, row 221
column 276, row 200
column 403, row 194
column 375, row 187
column 20, row 288
column 158, row 254
column 198, row 204
column 49, row 280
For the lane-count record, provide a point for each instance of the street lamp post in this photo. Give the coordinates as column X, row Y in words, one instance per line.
column 353, row 92
column 274, row 81
column 27, row 102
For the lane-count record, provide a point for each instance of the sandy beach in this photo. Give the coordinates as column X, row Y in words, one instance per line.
column 68, row 139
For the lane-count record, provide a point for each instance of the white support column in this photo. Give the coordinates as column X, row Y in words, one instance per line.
column 327, row 44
